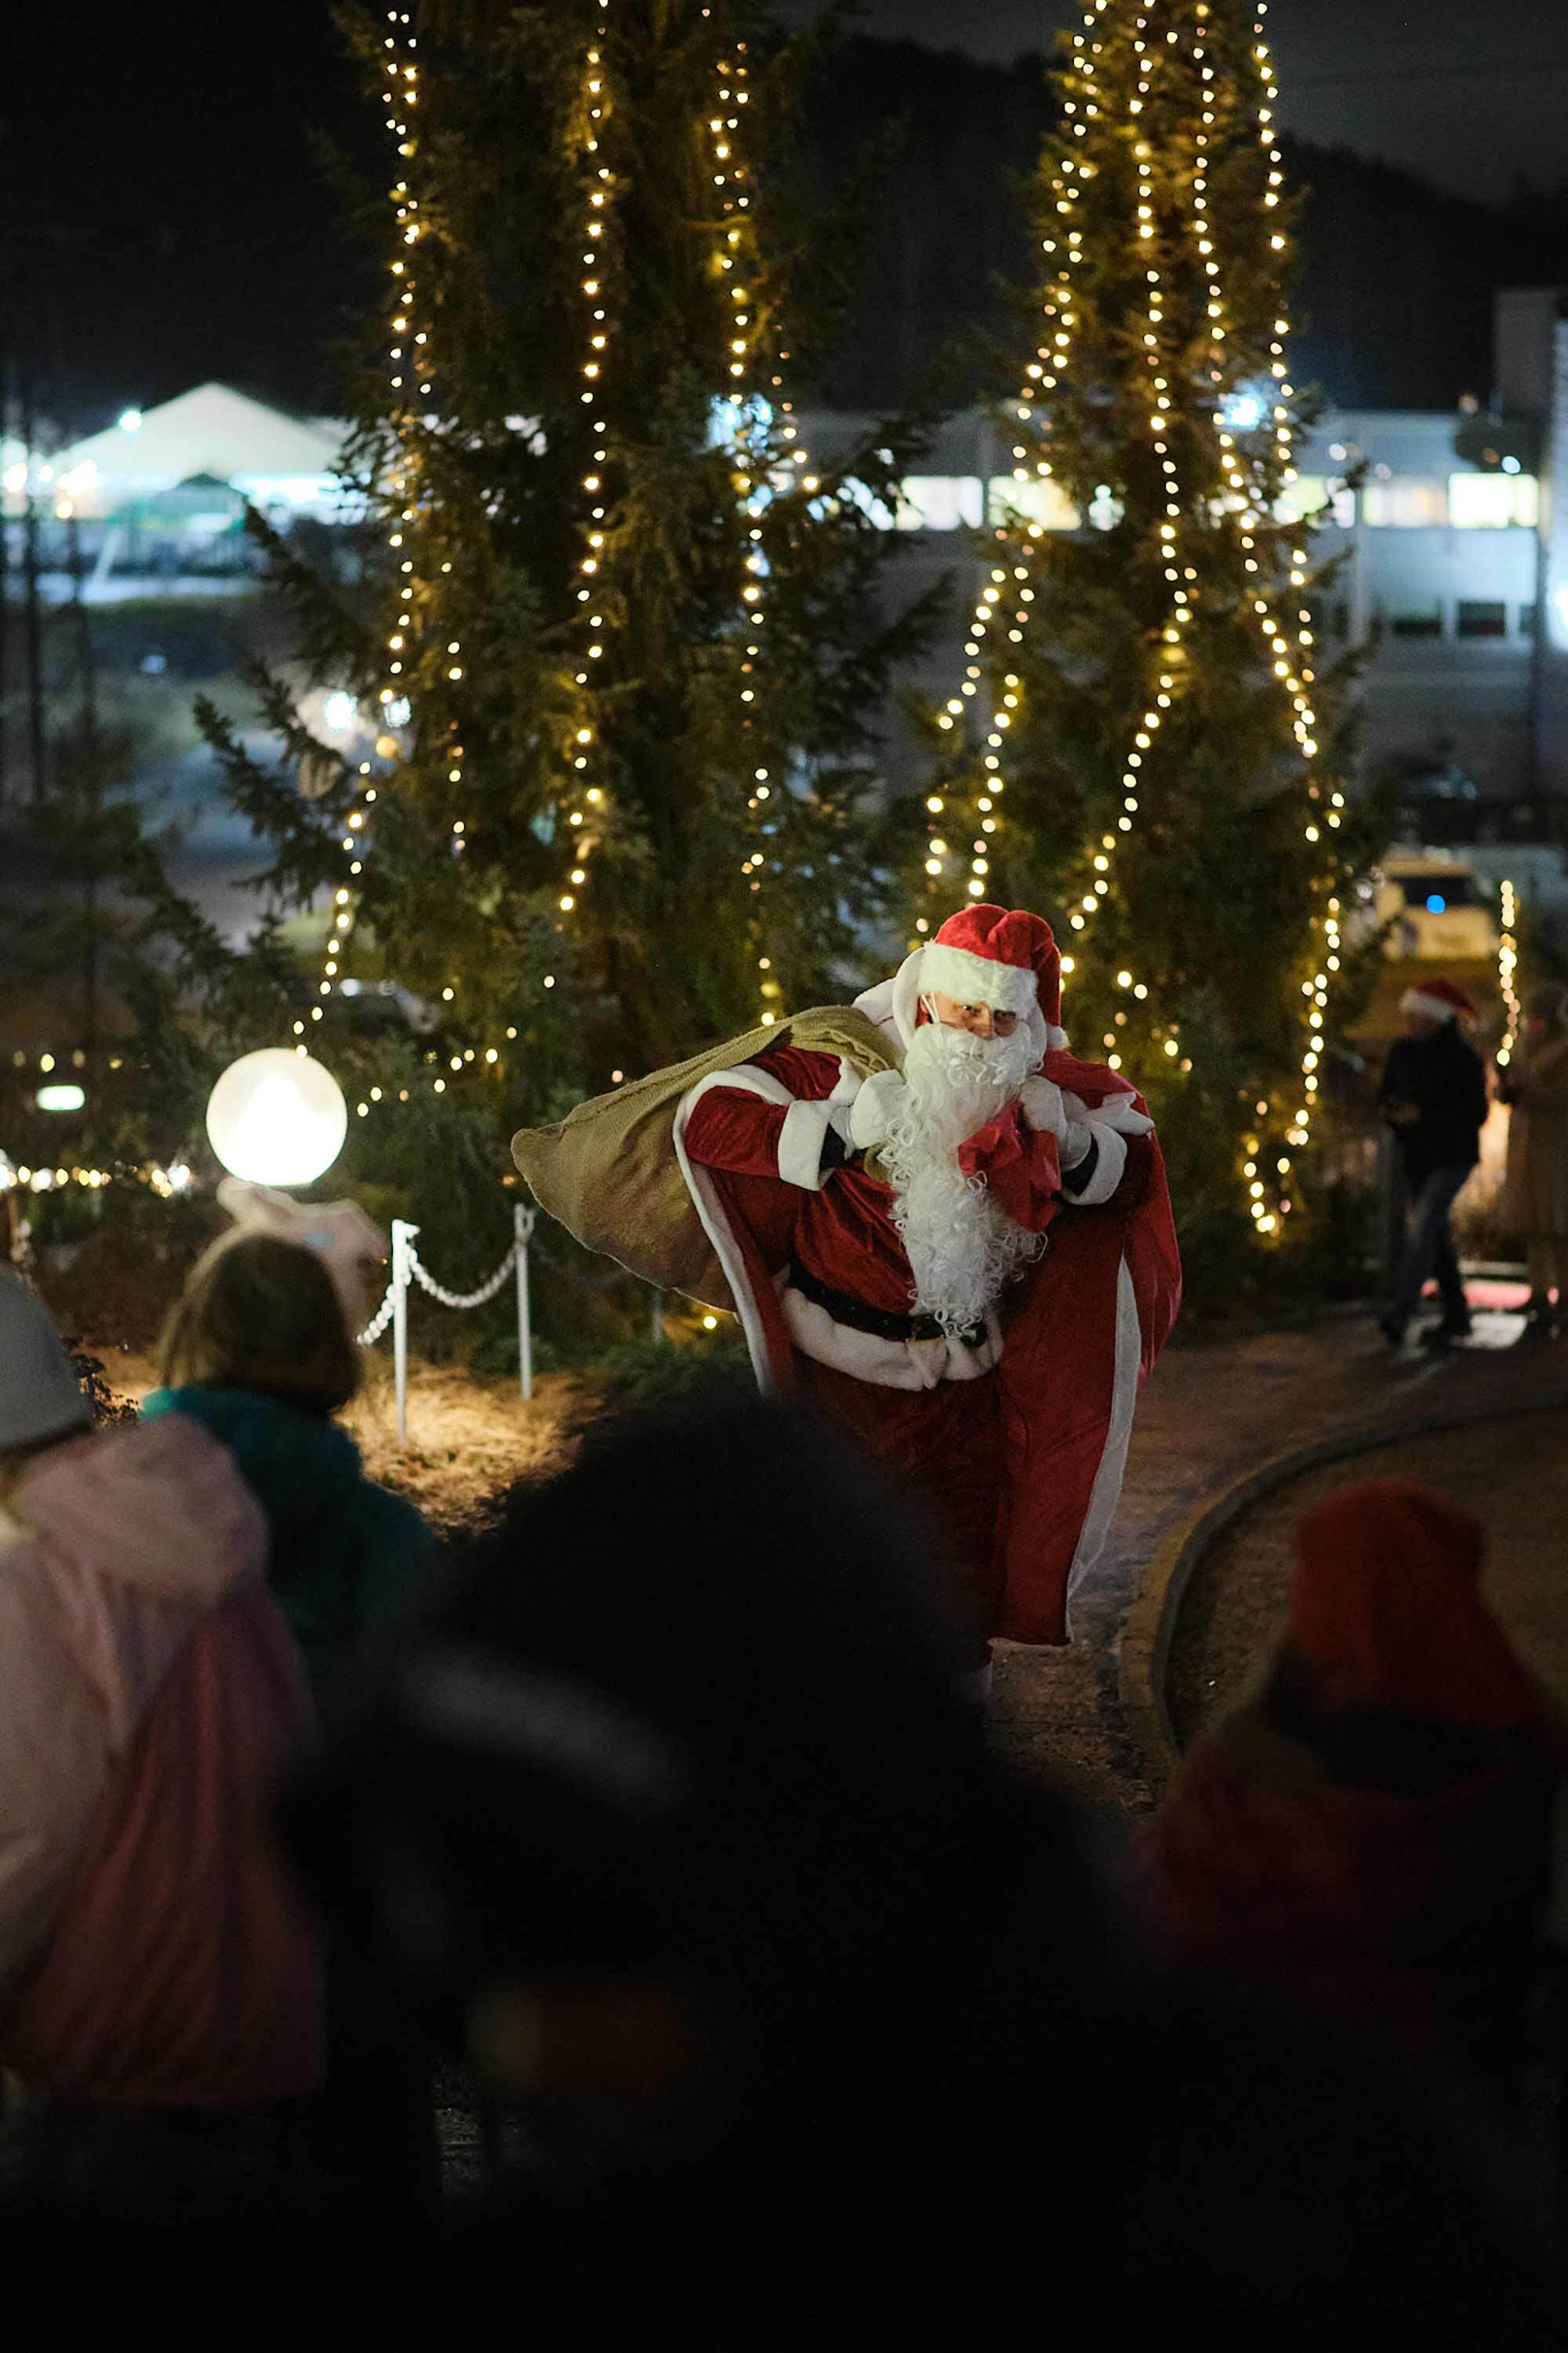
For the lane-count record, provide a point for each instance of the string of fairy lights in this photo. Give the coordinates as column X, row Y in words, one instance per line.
column 585, row 752
column 411, row 380
column 410, row 361
column 735, row 251
column 1294, row 670
column 736, row 264
column 1003, row 604
column 1507, row 971
column 1287, row 646
column 1042, row 376
column 757, row 426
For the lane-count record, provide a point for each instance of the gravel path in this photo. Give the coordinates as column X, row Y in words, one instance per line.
column 1214, row 1416
column 1512, row 1473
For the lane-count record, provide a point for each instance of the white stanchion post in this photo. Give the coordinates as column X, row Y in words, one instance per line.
column 402, row 1253
column 522, row 1226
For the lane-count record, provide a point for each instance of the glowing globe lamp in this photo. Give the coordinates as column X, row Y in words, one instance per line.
column 277, row 1118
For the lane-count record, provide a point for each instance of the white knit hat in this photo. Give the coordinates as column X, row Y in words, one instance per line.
column 40, row 1396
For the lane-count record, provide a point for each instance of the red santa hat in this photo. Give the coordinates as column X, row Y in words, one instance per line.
column 1385, row 1590
column 1439, row 1000
column 1000, row 956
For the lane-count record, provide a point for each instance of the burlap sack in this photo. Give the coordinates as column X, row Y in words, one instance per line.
column 608, row 1171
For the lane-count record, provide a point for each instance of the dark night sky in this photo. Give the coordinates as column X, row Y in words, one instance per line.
column 1471, row 93
column 159, row 155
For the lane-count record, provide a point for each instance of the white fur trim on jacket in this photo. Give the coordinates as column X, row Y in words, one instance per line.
column 877, row 1004
column 710, row 1209
column 884, row 1364
column 1109, row 1169
column 907, row 987
column 801, row 1139
column 1106, row 1493
column 977, row 981
column 705, row 1194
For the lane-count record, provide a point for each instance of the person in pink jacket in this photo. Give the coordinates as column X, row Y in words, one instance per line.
column 153, row 1957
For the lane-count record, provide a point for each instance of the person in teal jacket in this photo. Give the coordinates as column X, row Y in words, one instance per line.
column 258, row 1349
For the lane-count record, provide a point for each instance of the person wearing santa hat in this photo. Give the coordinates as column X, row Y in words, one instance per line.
column 1372, row 1830
column 1433, row 1097
column 975, row 1265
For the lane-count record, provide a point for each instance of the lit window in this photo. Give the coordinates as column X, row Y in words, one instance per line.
column 1038, row 500
column 1493, row 501
column 1405, row 504
column 940, row 502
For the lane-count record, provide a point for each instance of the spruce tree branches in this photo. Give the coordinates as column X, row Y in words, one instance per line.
column 1148, row 743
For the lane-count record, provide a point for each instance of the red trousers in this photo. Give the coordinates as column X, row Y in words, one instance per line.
column 941, row 1449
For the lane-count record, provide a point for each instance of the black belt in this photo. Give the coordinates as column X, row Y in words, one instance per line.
column 882, row 1323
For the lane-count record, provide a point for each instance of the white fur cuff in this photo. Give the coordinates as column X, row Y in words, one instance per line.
column 1109, row 1169
column 1077, row 1144
column 801, row 1139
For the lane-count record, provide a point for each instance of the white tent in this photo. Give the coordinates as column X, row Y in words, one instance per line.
column 275, row 460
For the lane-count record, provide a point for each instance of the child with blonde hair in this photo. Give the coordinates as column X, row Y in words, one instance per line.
column 259, row 1349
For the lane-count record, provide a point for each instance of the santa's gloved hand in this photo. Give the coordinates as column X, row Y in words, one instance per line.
column 1044, row 1106
column 875, row 1108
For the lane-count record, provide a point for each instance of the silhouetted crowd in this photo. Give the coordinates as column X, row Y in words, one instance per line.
column 656, row 1823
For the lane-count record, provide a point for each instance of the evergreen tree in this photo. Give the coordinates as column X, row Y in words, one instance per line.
column 628, row 650
column 137, row 996
column 1145, row 742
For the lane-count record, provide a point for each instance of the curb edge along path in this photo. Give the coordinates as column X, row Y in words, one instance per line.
column 1219, row 1428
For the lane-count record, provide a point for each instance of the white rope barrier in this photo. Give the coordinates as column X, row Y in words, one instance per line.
column 408, row 1270
column 379, row 1319
column 427, row 1282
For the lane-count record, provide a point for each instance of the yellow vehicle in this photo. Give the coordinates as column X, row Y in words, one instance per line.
column 1436, row 908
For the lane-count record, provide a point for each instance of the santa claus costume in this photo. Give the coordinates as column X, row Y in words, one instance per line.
column 958, row 1245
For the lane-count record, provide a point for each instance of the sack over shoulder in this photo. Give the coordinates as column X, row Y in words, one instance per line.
column 609, row 1173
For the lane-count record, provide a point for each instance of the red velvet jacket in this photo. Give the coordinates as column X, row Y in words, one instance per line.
column 844, row 1232
column 1080, row 1333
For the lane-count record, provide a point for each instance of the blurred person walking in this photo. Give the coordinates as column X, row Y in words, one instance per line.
column 261, row 1351
column 1372, row 1833
column 1535, row 1187
column 1433, row 1097
column 673, row 1822
column 160, row 1999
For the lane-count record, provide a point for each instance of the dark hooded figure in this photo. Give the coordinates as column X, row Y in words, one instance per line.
column 673, row 1823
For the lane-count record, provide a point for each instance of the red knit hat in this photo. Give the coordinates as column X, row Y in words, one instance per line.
column 1439, row 1000
column 1387, row 1587
column 996, row 957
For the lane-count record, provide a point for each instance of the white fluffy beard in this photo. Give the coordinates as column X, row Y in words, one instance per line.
column 961, row 1245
